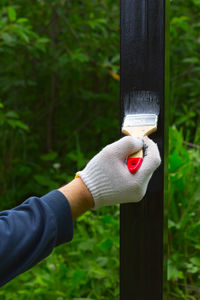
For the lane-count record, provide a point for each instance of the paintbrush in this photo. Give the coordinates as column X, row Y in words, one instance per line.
column 141, row 110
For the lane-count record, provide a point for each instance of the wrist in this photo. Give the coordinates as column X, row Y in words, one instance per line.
column 78, row 196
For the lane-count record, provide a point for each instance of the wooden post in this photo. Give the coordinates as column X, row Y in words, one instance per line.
column 144, row 66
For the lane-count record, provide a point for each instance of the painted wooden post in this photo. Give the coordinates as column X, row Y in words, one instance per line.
column 144, row 66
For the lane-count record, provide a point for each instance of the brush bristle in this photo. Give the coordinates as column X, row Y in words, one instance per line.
column 141, row 102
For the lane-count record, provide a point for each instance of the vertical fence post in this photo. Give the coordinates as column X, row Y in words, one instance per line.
column 144, row 66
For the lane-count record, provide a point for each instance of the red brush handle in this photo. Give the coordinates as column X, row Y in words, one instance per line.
column 134, row 163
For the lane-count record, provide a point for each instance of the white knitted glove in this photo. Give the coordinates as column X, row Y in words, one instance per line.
column 108, row 178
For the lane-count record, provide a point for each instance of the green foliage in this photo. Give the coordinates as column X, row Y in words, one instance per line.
column 185, row 67
column 59, row 91
column 184, row 218
column 84, row 268
column 184, row 161
column 59, row 104
column 60, row 86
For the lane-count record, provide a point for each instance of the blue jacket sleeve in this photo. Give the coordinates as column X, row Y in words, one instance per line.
column 30, row 231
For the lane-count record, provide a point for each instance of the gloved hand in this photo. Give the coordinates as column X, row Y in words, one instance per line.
column 108, row 178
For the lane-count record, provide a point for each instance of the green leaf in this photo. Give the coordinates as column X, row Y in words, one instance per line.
column 23, row 36
column 79, row 277
column 49, row 156
column 17, row 124
column 12, row 114
column 172, row 272
column 175, row 161
column 80, row 56
column 193, row 60
column 96, row 271
column 41, row 44
column 196, row 2
column 102, row 261
column 45, row 181
column 8, row 38
column 172, row 224
column 191, row 268
column 195, row 261
column 106, row 245
column 22, row 33
column 11, row 14
column 22, row 20
column 87, row 245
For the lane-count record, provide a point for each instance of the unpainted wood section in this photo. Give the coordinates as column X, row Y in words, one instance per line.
column 137, row 154
column 139, row 132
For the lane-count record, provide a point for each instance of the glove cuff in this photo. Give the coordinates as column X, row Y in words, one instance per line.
column 98, row 185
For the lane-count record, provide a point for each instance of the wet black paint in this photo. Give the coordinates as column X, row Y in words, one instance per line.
column 141, row 102
column 141, row 224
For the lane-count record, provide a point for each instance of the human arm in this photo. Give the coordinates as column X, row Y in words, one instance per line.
column 29, row 232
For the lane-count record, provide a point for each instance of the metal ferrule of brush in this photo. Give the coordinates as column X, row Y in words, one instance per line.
column 140, row 120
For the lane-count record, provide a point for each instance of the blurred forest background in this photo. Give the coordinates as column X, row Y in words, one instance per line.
column 59, row 105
